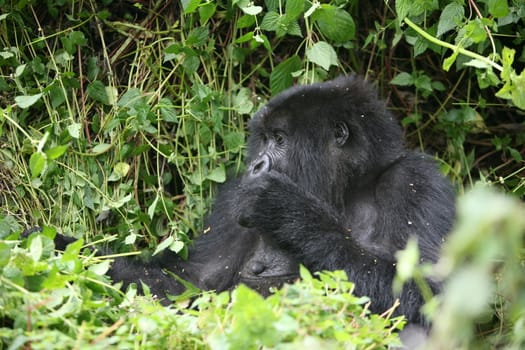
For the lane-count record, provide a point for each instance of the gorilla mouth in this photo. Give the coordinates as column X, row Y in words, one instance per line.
column 262, row 285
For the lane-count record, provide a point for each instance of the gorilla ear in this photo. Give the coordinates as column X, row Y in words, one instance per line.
column 340, row 132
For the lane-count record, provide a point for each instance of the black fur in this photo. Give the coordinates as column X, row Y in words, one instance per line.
column 329, row 185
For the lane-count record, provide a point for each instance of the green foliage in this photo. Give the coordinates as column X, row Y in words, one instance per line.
column 469, row 31
column 118, row 119
column 53, row 301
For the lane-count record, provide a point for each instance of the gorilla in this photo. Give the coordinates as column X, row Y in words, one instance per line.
column 330, row 185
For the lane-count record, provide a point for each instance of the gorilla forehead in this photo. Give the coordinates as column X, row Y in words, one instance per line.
column 349, row 94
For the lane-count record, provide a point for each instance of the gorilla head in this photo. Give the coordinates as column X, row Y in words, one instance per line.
column 325, row 137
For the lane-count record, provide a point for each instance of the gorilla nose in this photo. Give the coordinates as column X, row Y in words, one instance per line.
column 258, row 268
column 261, row 165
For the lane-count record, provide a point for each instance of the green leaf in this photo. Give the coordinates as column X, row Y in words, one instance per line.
column 130, row 98
column 198, row 36
column 498, row 8
column 20, row 70
column 5, row 254
column 294, row 8
column 322, row 54
column 190, row 6
column 101, row 148
column 164, row 245
column 271, row 21
column 167, row 110
column 242, row 101
column 74, row 130
column 233, row 141
column 403, row 79
column 26, row 101
column 206, row 11
column 152, row 207
column 55, row 152
column 281, row 77
column 450, row 18
column 218, row 174
column 176, row 246
column 335, row 24
column 35, row 248
column 37, row 163
column 97, row 91
column 121, row 169
column 100, row 269
column 403, row 8
column 449, row 61
column 252, row 10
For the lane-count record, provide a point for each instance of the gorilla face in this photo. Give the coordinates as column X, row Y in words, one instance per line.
column 321, row 135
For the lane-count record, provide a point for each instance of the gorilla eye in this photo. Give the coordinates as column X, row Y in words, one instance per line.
column 341, row 133
column 279, row 138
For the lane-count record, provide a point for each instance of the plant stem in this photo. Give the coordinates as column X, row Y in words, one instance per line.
column 455, row 48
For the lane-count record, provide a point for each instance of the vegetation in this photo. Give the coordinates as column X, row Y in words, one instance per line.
column 119, row 118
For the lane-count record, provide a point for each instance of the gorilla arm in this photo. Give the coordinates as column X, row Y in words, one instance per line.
column 321, row 238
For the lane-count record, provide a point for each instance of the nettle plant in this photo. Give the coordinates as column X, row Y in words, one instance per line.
column 468, row 34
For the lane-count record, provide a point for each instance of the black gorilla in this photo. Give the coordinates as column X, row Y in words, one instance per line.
column 330, row 186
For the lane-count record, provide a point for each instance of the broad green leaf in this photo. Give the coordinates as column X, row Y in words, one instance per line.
column 74, row 130
column 242, row 101
column 129, row 98
column 55, row 152
column 498, row 8
column 101, row 148
column 218, row 174
column 5, row 254
column 100, row 269
column 335, row 24
column 403, row 8
column 35, row 248
column 176, row 246
column 294, row 8
column 322, row 54
column 198, row 36
column 167, row 110
column 37, row 163
column 20, row 70
column 281, row 77
column 97, row 91
column 252, row 10
column 164, row 245
column 233, row 141
column 26, row 101
column 518, row 90
column 403, row 79
column 121, row 169
column 271, row 21
column 206, row 11
column 450, row 18
column 190, row 6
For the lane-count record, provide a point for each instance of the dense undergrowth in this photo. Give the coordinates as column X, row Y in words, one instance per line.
column 119, row 119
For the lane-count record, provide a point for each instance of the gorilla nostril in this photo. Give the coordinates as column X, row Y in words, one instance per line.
column 261, row 165
column 258, row 268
